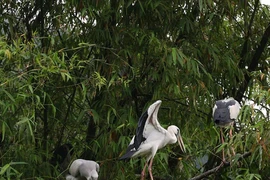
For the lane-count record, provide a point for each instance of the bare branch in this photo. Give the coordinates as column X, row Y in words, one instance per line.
column 254, row 63
column 217, row 168
column 209, row 172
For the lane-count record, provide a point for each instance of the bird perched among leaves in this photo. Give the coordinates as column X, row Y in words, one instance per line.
column 81, row 169
column 225, row 112
column 150, row 137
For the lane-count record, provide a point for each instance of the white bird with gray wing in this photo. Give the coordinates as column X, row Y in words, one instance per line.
column 225, row 112
column 150, row 137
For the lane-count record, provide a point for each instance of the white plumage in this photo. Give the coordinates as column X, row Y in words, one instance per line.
column 83, row 168
column 150, row 137
column 234, row 110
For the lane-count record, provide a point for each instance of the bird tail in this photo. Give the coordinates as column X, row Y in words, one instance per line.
column 127, row 156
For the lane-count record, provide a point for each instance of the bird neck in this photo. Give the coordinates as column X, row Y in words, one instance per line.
column 171, row 138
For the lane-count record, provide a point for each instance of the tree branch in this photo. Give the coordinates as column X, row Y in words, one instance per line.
column 254, row 63
column 70, row 104
column 217, row 168
column 247, row 36
column 209, row 172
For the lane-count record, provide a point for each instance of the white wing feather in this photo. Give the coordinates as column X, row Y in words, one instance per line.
column 97, row 167
column 152, row 123
column 69, row 177
column 234, row 110
column 74, row 168
column 214, row 109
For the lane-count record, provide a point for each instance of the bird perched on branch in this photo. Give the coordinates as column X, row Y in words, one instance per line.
column 150, row 137
column 225, row 112
column 81, row 168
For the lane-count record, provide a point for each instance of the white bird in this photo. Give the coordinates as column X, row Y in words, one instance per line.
column 150, row 137
column 225, row 112
column 81, row 168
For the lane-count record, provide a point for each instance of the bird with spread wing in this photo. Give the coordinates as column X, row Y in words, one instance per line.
column 150, row 137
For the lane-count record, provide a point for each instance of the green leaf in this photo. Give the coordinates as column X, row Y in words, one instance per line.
column 9, row 95
column 23, row 120
column 174, row 52
column 4, row 169
column 95, row 116
column 3, row 130
column 222, row 146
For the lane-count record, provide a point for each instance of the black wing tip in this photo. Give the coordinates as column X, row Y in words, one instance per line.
column 123, row 159
column 127, row 156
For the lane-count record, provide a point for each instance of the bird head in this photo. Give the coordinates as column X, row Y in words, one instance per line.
column 177, row 133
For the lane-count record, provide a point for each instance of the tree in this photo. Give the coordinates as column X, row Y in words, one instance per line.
column 82, row 72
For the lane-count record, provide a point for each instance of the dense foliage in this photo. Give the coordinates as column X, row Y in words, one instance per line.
column 82, row 72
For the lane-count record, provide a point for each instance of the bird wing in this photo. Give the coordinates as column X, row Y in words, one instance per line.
column 74, row 168
column 152, row 123
column 137, row 138
column 148, row 123
column 70, row 177
column 97, row 167
column 233, row 106
column 234, row 110
column 214, row 110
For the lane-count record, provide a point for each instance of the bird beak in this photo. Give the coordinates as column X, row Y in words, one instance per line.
column 181, row 143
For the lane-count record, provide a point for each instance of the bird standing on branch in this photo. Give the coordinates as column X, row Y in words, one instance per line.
column 150, row 137
column 225, row 112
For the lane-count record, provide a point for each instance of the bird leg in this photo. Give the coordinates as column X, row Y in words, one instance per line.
column 222, row 141
column 150, row 169
column 143, row 171
column 230, row 133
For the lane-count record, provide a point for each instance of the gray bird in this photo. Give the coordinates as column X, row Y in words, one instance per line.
column 150, row 137
column 225, row 112
column 81, row 169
